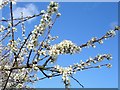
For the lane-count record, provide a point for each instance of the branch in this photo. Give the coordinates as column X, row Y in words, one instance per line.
column 102, row 38
column 11, row 12
column 4, row 55
column 29, row 58
column 5, row 36
column 77, row 81
column 7, row 80
column 45, row 73
column 28, row 17
column 47, row 77
column 23, row 66
column 47, row 61
column 98, row 66
column 24, row 43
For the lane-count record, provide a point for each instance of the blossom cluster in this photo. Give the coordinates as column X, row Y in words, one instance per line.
column 109, row 34
column 68, row 71
column 4, row 3
column 112, row 33
column 91, row 42
column 13, row 46
column 64, row 47
column 23, row 26
column 45, row 21
column 17, row 78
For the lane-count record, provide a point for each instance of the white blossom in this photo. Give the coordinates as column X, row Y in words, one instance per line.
column 111, row 32
column 109, row 65
column 44, row 23
column 64, row 47
column 5, row 2
column 2, row 28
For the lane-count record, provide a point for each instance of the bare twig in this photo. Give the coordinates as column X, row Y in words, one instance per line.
column 77, row 81
column 47, row 61
column 45, row 73
column 5, row 36
column 29, row 58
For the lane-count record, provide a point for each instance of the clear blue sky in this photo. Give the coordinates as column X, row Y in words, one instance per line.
column 80, row 22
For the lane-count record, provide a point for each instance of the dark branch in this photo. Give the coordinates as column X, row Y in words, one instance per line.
column 29, row 58
column 47, row 61
column 11, row 12
column 77, row 81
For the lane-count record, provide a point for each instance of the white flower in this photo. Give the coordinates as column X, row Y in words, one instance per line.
column 2, row 28
column 14, row 29
column 100, row 41
column 109, row 65
column 43, row 11
column 111, row 32
column 64, row 47
column 4, row 3
column 98, row 66
column 35, row 67
column 58, row 14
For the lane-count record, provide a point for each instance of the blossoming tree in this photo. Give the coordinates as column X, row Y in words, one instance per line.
column 22, row 56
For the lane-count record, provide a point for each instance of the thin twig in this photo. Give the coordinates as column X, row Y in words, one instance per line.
column 45, row 73
column 29, row 58
column 47, row 61
column 77, row 81
column 28, row 17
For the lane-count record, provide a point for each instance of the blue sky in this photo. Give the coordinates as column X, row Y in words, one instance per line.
column 79, row 22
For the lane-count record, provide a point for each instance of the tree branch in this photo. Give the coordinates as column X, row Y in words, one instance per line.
column 11, row 12
column 29, row 58
column 77, row 81
column 47, row 61
column 97, row 40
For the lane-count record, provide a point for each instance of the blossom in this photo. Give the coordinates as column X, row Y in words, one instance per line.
column 91, row 42
column 13, row 46
column 111, row 33
column 66, row 72
column 117, row 28
column 5, row 2
column 100, row 42
column 35, row 67
column 43, row 11
column 2, row 28
column 64, row 47
column 58, row 14
column 72, row 69
column 45, row 21
column 109, row 65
